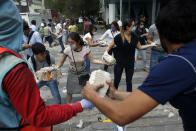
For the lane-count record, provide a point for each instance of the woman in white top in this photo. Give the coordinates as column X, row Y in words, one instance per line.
column 88, row 39
column 109, row 35
column 77, row 53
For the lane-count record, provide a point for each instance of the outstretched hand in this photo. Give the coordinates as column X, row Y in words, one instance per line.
column 25, row 46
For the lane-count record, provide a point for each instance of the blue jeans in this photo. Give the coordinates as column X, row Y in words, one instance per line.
column 88, row 65
column 61, row 43
column 118, row 70
column 53, row 85
column 156, row 57
column 144, row 59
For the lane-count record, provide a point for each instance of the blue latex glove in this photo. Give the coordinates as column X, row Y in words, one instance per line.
column 86, row 104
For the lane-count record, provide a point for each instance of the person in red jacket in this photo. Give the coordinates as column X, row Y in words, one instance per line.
column 20, row 100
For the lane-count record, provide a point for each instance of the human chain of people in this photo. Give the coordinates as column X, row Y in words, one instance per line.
column 27, row 64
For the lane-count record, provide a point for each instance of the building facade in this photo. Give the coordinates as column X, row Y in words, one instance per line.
column 130, row 9
column 29, row 5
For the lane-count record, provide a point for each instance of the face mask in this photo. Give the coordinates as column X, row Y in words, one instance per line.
column 94, row 33
column 141, row 26
column 113, row 29
column 73, row 46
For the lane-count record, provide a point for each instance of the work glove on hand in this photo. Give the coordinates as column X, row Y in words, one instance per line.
column 86, row 104
column 153, row 44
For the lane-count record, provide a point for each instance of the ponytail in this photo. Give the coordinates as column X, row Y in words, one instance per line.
column 81, row 42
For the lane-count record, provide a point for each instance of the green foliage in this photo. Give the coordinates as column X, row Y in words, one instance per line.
column 74, row 8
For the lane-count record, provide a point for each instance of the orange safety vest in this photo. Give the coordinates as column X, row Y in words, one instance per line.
column 3, row 50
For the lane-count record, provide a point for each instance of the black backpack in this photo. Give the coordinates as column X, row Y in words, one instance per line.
column 47, row 60
column 29, row 37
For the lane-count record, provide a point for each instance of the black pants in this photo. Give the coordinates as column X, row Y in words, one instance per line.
column 49, row 39
column 118, row 70
column 106, row 66
column 189, row 125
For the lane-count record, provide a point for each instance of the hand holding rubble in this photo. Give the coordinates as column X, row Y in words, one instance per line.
column 109, row 60
column 90, row 90
column 153, row 44
column 112, row 90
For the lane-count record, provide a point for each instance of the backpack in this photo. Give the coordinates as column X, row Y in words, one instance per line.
column 47, row 60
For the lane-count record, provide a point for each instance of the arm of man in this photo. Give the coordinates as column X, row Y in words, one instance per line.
column 26, row 46
column 116, row 94
column 163, row 84
column 135, row 105
column 25, row 97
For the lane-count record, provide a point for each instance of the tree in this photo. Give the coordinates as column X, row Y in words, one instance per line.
column 74, row 8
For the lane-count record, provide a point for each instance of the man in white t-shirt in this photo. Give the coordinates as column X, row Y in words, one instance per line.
column 119, row 22
column 59, row 33
column 48, row 34
column 30, row 38
column 33, row 26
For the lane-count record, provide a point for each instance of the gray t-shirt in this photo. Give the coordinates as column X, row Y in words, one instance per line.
column 43, row 64
column 155, row 38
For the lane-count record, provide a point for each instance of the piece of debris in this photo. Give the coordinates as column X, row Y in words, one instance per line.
column 100, row 77
column 171, row 114
column 80, row 124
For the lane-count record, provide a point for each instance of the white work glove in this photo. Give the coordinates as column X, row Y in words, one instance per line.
column 153, row 44
column 86, row 104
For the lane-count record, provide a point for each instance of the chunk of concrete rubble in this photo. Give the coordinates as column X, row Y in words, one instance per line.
column 108, row 59
column 80, row 125
column 100, row 77
column 171, row 114
column 48, row 73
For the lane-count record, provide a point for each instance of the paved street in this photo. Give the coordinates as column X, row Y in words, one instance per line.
column 160, row 119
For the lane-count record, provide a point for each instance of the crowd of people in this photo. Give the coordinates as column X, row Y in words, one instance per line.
column 171, row 53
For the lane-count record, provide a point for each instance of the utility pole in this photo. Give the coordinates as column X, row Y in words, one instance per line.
column 43, row 4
